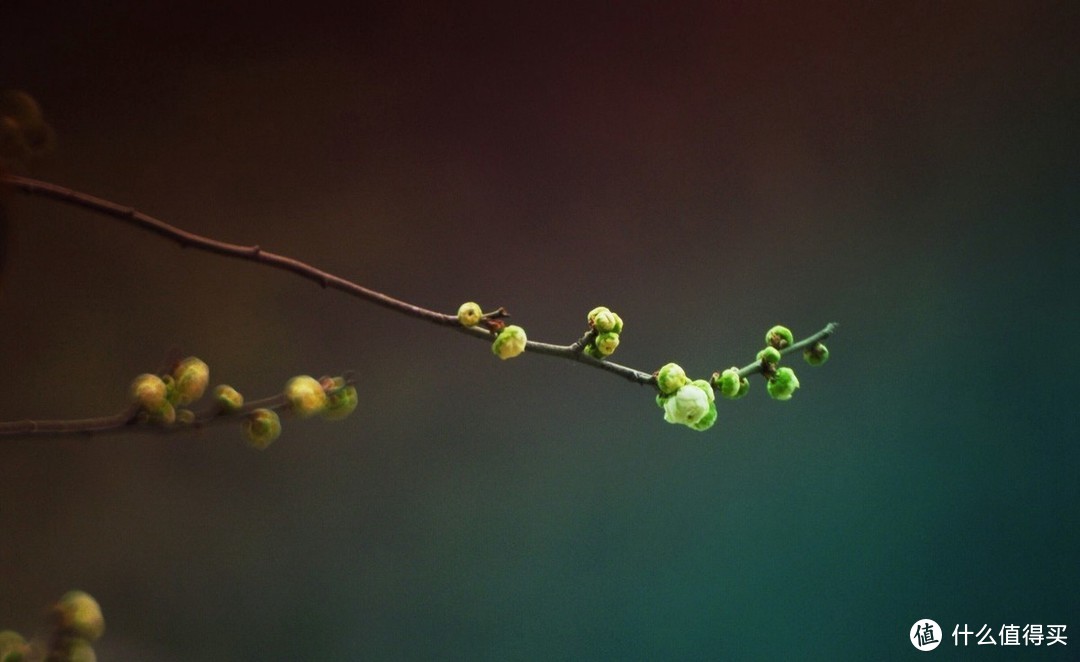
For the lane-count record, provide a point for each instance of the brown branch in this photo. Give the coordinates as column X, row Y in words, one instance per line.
column 490, row 323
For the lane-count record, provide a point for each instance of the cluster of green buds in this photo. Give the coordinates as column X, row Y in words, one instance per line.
column 76, row 621
column 162, row 399
column 510, row 340
column 781, row 383
column 687, row 402
column 604, row 329
column 332, row 398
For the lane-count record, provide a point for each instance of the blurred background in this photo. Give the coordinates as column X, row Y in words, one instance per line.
column 706, row 170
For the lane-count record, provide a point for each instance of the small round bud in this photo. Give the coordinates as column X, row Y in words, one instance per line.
column 671, row 378
column 510, row 342
column 769, row 355
column 594, row 313
column 706, row 387
column 80, row 650
column 688, row 406
column 728, row 382
column 606, row 343
column 165, row 415
column 783, row 384
column 744, row 388
column 149, row 391
column 192, row 376
column 340, row 403
column 78, row 614
column 261, row 428
column 227, row 398
column 604, row 321
column 13, row 647
column 779, row 337
column 185, row 416
column 706, row 421
column 469, row 314
column 305, row 395
column 816, row 354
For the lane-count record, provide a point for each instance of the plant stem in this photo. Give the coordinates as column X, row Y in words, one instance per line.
column 127, row 420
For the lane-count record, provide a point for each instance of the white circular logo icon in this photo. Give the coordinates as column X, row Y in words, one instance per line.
column 925, row 634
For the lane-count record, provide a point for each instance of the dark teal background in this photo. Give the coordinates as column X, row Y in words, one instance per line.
column 707, row 170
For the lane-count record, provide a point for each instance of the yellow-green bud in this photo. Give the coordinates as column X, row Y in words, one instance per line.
column 227, row 398
column 80, row 650
column 340, row 403
column 148, row 391
column 13, row 646
column 510, row 342
column 671, row 378
column 816, row 354
column 769, row 355
column 78, row 614
column 591, row 350
column 305, row 395
column 779, row 337
column 469, row 314
column 192, row 376
column 262, row 427
column 783, row 384
column 185, row 416
column 689, row 405
column 606, row 343
column 604, row 321
column 164, row 415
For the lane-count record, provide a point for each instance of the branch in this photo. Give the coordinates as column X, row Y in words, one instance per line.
column 255, row 253
column 134, row 419
column 592, row 349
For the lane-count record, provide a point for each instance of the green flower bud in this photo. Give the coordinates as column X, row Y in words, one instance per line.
column 13, row 646
column 783, row 384
column 78, row 614
column 688, row 406
column 594, row 313
column 705, row 386
column 744, row 388
column 305, row 395
column 166, row 415
column 469, row 314
column 769, row 355
column 510, row 342
column 149, row 391
column 618, row 323
column 606, row 343
column 192, row 376
column 227, row 398
column 590, row 350
column 671, row 378
column 779, row 337
column 707, row 420
column 728, row 382
column 262, row 427
column 816, row 354
column 604, row 321
column 80, row 650
column 340, row 403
